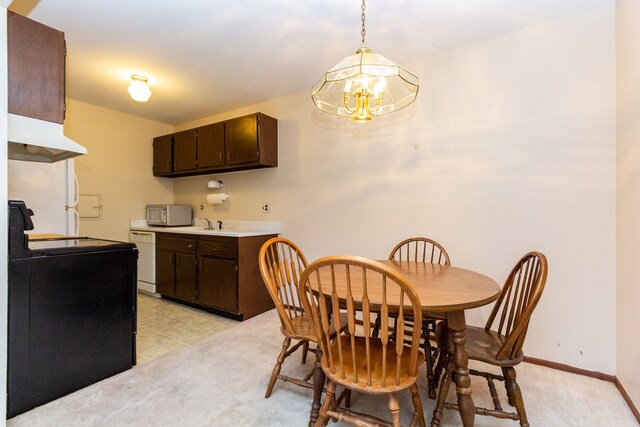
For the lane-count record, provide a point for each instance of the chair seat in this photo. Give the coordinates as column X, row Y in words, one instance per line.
column 359, row 379
column 480, row 345
column 304, row 328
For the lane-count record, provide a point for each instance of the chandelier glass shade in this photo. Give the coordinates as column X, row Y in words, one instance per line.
column 365, row 85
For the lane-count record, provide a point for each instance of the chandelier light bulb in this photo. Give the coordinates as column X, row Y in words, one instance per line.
column 139, row 88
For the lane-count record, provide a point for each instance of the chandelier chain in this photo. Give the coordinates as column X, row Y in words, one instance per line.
column 363, row 32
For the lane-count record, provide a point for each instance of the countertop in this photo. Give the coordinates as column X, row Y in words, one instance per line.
column 229, row 228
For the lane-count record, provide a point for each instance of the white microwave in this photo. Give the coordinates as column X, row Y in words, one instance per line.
column 169, row 215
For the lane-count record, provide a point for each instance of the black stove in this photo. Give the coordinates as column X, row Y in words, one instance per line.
column 72, row 313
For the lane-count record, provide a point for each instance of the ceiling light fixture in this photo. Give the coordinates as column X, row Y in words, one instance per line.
column 365, row 85
column 139, row 88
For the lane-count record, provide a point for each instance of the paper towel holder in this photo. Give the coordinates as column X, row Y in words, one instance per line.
column 217, row 184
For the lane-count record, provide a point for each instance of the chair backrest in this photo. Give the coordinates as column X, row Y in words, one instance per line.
column 281, row 263
column 420, row 249
column 518, row 298
column 360, row 286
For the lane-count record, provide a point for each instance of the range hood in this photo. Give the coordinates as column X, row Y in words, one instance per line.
column 35, row 140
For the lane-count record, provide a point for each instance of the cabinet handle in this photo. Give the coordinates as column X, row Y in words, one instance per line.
column 229, row 156
column 220, row 157
column 190, row 246
column 171, row 259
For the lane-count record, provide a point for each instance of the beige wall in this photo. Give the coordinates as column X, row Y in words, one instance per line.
column 509, row 147
column 628, row 200
column 118, row 166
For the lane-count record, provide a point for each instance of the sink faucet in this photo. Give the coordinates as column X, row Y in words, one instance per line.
column 219, row 225
column 209, row 224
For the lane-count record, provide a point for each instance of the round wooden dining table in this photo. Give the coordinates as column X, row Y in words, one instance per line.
column 444, row 289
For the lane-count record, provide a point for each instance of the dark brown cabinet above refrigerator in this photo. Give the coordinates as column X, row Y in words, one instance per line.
column 248, row 142
column 36, row 72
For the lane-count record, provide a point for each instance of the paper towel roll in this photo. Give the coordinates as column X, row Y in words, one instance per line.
column 217, row 198
column 215, row 184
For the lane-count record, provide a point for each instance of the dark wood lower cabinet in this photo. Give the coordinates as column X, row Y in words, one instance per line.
column 218, row 283
column 165, row 272
column 186, row 276
column 217, row 273
column 176, row 265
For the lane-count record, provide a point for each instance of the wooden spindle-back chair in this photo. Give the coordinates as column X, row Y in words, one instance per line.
column 281, row 264
column 422, row 249
column 356, row 360
column 501, row 347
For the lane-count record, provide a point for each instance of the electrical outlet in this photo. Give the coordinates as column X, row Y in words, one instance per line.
column 265, row 207
column 201, row 207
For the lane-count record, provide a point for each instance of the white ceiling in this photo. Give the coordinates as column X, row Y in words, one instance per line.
column 204, row 57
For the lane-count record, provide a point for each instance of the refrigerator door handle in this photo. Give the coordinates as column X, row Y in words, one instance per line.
column 76, row 192
column 76, row 221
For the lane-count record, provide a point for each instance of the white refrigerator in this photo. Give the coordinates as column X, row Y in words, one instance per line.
column 50, row 190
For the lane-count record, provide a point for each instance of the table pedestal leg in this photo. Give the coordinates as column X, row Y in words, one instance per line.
column 318, row 385
column 457, row 325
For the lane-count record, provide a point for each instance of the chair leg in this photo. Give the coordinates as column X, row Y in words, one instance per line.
column 376, row 327
column 515, row 395
column 437, row 372
column 394, row 409
column 305, row 351
column 318, row 386
column 445, row 383
column 428, row 355
column 418, row 414
column 276, row 369
column 328, row 403
column 508, row 385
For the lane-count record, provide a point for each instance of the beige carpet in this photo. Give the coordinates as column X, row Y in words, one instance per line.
column 220, row 381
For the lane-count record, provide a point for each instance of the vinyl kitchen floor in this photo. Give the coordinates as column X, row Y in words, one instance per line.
column 165, row 326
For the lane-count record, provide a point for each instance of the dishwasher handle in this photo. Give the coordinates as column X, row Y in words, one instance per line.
column 142, row 237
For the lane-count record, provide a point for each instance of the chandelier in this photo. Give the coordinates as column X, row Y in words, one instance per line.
column 365, row 85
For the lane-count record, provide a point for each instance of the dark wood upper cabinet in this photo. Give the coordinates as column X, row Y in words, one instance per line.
column 163, row 155
column 36, row 72
column 248, row 142
column 242, row 140
column 252, row 139
column 185, row 151
column 211, row 145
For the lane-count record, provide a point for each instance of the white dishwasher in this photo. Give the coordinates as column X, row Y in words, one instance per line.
column 146, row 243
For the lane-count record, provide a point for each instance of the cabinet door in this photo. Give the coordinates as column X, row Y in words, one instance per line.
column 165, row 272
column 186, row 274
column 162, row 155
column 241, row 138
column 184, row 151
column 218, row 283
column 36, row 72
column 211, row 146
